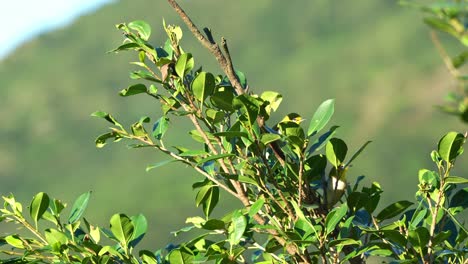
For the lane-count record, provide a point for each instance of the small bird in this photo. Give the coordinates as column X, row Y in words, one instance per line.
column 336, row 185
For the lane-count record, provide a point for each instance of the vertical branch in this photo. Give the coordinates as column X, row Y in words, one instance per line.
column 226, row 65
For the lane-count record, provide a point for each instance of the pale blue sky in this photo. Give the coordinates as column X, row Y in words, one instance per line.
column 22, row 20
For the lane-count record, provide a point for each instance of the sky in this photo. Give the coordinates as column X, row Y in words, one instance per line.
column 22, row 20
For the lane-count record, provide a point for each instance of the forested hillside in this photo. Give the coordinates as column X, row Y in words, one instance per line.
column 374, row 57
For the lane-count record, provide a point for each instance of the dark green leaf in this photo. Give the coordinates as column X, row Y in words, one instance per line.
column 419, row 237
column 393, row 210
column 323, row 139
column 38, row 207
column 222, row 98
column 321, row 117
column 147, row 257
column 79, row 207
column 133, row 89
column 335, row 151
column 213, row 224
column 203, row 86
column 459, row 199
column 357, row 200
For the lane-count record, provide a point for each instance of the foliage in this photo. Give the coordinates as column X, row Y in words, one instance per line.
column 297, row 203
column 450, row 17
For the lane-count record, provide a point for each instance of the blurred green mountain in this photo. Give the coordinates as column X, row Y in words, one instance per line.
column 374, row 57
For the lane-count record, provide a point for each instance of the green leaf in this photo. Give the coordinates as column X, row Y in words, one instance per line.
column 79, row 207
column 441, row 25
column 160, row 127
column 335, row 151
column 459, row 201
column 213, row 224
column 223, row 97
column 268, row 138
column 393, row 210
column 323, row 139
column 147, row 257
column 14, row 241
column 122, row 228
column 101, row 140
column 145, row 75
column 237, row 227
column 357, row 153
column 274, row 100
column 54, row 236
column 178, row 256
column 184, row 64
column 256, row 207
column 456, row 180
column 38, row 207
column 231, row 134
column 107, row 117
column 334, row 217
column 451, row 145
column 357, row 200
column 418, row 217
column 321, row 117
column 215, row 157
column 214, row 116
column 242, row 79
column 203, row 86
column 126, row 46
column 133, row 89
column 141, row 226
column 208, row 196
column 344, row 242
column 143, row 29
column 158, row 164
column 419, row 237
column 250, row 107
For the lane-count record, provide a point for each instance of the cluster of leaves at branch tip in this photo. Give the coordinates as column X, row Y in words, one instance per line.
column 298, row 203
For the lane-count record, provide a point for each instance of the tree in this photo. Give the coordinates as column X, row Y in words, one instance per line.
column 297, row 205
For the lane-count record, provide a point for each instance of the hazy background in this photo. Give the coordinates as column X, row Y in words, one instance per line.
column 374, row 57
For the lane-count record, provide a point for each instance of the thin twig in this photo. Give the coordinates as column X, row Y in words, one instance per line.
column 212, row 47
column 445, row 57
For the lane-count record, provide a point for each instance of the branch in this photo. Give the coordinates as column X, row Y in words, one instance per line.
column 225, row 64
